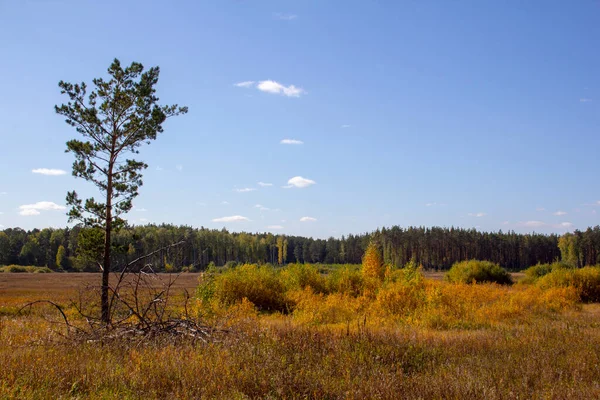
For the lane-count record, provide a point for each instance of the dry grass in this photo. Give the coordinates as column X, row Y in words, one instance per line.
column 532, row 352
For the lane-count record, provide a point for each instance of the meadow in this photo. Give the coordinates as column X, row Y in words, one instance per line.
column 294, row 332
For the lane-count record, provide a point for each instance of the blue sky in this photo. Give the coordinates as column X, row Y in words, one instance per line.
column 451, row 113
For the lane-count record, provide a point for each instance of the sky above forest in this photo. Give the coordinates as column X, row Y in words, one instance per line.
column 320, row 118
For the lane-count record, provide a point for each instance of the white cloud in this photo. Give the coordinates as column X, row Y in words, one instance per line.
column 307, row 219
column 245, row 190
column 584, row 100
column 225, row 202
column 261, row 207
column 233, row 218
column 559, row 213
column 275, row 227
column 532, row 224
column 1, row 226
column 541, row 224
column 34, row 209
column 478, row 215
column 434, row 204
column 159, row 168
column 540, row 209
column 245, row 84
column 3, row 193
column 48, row 171
column 273, row 87
column 291, row 141
column 346, row 126
column 179, row 167
column 28, row 212
column 505, row 222
column 263, row 184
column 300, row 182
column 140, row 209
column 143, row 219
column 284, row 17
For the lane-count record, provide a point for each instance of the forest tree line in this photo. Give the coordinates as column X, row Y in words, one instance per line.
column 79, row 249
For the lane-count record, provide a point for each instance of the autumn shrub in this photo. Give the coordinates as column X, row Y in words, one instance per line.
column 402, row 292
column 468, row 306
column 261, row 285
column 537, row 271
column 346, row 280
column 320, row 308
column 585, row 280
column 301, row 276
column 412, row 271
column 399, row 298
column 478, row 272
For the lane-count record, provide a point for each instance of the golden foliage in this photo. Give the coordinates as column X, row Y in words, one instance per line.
column 372, row 264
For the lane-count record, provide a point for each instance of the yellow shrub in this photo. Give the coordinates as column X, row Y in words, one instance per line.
column 300, row 276
column 260, row 285
column 399, row 298
column 345, row 280
column 318, row 308
column 585, row 280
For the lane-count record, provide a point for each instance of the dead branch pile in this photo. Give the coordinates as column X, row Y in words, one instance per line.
column 142, row 310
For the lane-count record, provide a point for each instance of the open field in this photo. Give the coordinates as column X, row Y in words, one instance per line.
column 495, row 342
column 12, row 284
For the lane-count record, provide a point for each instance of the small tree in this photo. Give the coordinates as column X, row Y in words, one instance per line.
column 116, row 118
column 62, row 261
column 372, row 265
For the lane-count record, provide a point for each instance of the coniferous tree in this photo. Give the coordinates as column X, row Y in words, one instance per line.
column 115, row 119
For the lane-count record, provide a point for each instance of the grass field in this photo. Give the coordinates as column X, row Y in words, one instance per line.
column 495, row 342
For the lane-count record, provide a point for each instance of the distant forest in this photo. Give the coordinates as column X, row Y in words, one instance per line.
column 77, row 249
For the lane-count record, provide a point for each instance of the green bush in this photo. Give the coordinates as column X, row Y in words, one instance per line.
column 301, row 276
column 478, row 272
column 260, row 285
column 537, row 271
column 24, row 269
column 585, row 280
column 16, row 269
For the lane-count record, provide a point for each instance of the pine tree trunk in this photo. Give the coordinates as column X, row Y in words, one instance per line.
column 106, row 262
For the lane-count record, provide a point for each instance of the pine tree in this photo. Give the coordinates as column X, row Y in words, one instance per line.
column 115, row 119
